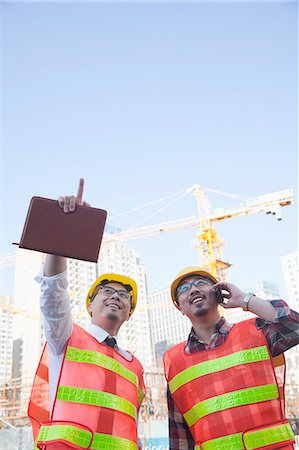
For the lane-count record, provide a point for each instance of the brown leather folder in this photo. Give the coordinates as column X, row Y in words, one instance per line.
column 75, row 235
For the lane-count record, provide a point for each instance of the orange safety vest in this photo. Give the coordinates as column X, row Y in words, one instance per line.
column 98, row 395
column 231, row 396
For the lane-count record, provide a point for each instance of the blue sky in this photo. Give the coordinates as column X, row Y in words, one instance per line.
column 144, row 100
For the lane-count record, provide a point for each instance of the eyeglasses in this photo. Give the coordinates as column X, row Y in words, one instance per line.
column 109, row 291
column 184, row 287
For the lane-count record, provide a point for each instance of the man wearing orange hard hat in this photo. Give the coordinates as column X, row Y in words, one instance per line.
column 225, row 383
column 87, row 390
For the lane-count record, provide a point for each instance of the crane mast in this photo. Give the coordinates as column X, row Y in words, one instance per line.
column 208, row 241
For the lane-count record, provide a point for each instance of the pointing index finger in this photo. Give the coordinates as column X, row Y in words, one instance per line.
column 79, row 195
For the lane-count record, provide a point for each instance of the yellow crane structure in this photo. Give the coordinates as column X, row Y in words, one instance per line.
column 208, row 241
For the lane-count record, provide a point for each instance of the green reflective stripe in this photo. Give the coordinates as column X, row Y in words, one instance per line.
column 106, row 441
column 230, row 400
column 269, row 436
column 82, row 438
column 215, row 365
column 252, row 439
column 231, row 442
column 140, row 395
column 97, row 398
column 69, row 433
column 101, row 360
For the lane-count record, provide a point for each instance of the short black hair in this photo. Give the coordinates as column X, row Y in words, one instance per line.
column 127, row 287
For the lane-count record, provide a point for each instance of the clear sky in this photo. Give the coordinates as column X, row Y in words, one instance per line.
column 144, row 100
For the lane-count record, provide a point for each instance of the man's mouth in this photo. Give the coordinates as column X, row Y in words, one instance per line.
column 197, row 299
column 114, row 305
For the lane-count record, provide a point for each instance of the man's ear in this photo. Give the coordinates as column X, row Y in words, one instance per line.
column 180, row 309
column 179, row 306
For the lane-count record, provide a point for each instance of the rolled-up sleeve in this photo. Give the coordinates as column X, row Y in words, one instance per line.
column 55, row 306
column 283, row 332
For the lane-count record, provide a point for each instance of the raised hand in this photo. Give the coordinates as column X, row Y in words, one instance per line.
column 57, row 264
column 68, row 203
column 234, row 295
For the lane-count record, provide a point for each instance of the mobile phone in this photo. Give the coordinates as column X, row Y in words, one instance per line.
column 220, row 298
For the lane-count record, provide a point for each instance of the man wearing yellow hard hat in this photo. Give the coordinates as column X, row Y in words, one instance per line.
column 87, row 390
column 225, row 383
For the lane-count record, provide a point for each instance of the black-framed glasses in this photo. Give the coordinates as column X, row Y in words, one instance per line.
column 109, row 291
column 184, row 287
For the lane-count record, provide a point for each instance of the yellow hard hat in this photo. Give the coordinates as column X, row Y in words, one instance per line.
column 188, row 271
column 113, row 277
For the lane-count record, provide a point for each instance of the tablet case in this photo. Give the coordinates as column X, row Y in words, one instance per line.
column 75, row 235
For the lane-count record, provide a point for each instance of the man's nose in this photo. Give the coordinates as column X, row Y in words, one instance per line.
column 194, row 288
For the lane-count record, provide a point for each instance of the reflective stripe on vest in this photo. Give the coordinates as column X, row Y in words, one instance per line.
column 252, row 439
column 82, row 438
column 101, row 360
column 230, row 400
column 215, row 365
column 69, row 433
column 107, row 441
column 273, row 435
column 97, row 398
column 230, row 442
column 140, row 395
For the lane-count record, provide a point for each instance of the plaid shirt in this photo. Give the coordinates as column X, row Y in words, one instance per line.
column 281, row 335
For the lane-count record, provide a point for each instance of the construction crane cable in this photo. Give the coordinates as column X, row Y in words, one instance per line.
column 215, row 191
column 158, row 211
column 146, row 205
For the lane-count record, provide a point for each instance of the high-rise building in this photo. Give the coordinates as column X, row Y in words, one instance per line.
column 81, row 275
column 6, row 320
column 168, row 325
column 290, row 272
column 28, row 324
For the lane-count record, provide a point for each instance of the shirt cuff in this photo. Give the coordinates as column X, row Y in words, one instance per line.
column 283, row 311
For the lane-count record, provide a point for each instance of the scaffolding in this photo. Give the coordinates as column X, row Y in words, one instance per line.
column 14, row 397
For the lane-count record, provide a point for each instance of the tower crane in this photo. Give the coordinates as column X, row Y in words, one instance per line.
column 208, row 242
